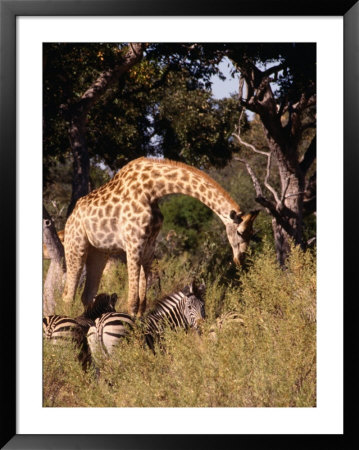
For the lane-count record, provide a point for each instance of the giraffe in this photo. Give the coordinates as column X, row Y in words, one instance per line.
column 123, row 217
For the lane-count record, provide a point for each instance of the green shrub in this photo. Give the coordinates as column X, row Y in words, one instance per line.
column 266, row 359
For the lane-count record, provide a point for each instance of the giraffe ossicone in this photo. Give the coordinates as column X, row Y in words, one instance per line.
column 122, row 217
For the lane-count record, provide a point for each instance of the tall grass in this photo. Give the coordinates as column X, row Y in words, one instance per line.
column 268, row 359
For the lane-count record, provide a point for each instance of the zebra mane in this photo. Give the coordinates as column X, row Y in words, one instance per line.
column 176, row 296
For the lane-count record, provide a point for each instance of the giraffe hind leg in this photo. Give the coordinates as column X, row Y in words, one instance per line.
column 95, row 263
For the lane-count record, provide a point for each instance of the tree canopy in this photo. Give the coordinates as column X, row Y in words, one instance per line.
column 111, row 103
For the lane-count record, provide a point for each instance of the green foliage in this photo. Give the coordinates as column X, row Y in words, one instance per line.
column 163, row 107
column 268, row 359
column 185, row 220
column 57, row 192
column 192, row 126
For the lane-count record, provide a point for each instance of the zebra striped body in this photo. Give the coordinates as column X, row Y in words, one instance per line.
column 225, row 320
column 181, row 309
column 64, row 329
column 107, row 331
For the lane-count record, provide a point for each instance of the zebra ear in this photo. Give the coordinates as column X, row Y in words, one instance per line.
column 113, row 299
column 198, row 291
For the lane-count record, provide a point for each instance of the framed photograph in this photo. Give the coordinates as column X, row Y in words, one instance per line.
column 209, row 86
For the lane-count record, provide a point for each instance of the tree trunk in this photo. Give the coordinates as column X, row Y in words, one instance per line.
column 77, row 116
column 281, row 242
column 290, row 206
column 54, row 281
column 81, row 161
column 283, row 136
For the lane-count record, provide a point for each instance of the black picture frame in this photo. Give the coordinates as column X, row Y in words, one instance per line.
column 9, row 10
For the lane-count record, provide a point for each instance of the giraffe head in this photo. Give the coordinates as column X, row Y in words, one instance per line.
column 239, row 232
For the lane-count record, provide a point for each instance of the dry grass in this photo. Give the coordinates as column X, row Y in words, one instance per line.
column 269, row 359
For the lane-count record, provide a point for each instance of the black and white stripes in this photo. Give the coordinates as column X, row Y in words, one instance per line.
column 107, row 330
column 100, row 328
column 181, row 309
column 60, row 329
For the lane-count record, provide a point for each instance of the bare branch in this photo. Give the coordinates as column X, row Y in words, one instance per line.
column 271, row 208
column 266, row 184
column 256, row 183
column 246, row 144
column 305, row 102
column 274, row 69
column 267, row 154
column 284, row 192
column 240, row 89
column 282, row 109
column 294, row 195
column 108, row 78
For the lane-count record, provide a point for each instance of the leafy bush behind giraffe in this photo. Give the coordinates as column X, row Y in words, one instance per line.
column 268, row 359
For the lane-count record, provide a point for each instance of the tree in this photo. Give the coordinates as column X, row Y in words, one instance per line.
column 278, row 83
column 158, row 102
column 54, row 282
column 76, row 111
column 286, row 114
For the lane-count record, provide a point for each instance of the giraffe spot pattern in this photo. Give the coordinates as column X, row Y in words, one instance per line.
column 118, row 213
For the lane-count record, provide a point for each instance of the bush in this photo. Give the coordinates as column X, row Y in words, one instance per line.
column 268, row 358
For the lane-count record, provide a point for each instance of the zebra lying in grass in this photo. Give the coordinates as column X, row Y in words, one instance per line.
column 226, row 319
column 62, row 329
column 184, row 309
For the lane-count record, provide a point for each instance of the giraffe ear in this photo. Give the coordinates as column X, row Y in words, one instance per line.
column 236, row 217
column 253, row 214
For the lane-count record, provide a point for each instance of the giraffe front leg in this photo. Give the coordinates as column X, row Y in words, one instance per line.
column 133, row 268
column 74, row 266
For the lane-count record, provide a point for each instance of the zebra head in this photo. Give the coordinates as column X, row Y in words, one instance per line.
column 101, row 304
column 194, row 310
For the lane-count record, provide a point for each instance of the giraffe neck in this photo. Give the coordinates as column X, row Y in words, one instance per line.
column 163, row 177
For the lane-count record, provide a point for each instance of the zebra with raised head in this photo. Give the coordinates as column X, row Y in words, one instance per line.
column 184, row 309
column 62, row 329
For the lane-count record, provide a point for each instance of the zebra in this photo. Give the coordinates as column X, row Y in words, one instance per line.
column 101, row 304
column 62, row 329
column 107, row 330
column 184, row 309
column 225, row 320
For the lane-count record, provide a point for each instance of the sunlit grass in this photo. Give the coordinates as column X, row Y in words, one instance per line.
column 268, row 359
